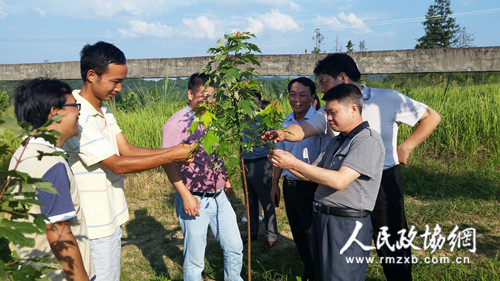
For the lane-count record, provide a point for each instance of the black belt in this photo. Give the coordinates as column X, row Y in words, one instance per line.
column 207, row 194
column 295, row 183
column 338, row 211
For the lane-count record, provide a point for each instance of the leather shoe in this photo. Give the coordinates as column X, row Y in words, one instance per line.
column 268, row 244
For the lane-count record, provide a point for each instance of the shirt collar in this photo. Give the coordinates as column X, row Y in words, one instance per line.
column 355, row 131
column 85, row 104
column 42, row 141
column 190, row 111
column 367, row 92
column 308, row 115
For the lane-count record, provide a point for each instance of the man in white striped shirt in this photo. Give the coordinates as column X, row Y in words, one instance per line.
column 104, row 154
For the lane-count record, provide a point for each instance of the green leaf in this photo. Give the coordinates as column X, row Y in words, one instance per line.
column 21, row 226
column 248, row 108
column 254, row 60
column 5, row 253
column 26, row 126
column 207, row 118
column 209, row 141
column 232, row 74
column 47, row 187
column 16, row 237
column 42, row 154
column 194, row 126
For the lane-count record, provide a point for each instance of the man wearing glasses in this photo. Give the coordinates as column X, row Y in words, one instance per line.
column 66, row 237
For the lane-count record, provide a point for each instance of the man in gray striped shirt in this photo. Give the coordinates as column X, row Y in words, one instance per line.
column 348, row 180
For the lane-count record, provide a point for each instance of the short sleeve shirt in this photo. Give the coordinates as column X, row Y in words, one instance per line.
column 101, row 190
column 363, row 151
column 57, row 207
column 385, row 110
column 306, row 150
column 202, row 175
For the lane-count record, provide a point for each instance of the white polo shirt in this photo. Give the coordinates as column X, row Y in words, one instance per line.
column 384, row 110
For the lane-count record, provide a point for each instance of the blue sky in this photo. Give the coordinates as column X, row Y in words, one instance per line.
column 34, row 31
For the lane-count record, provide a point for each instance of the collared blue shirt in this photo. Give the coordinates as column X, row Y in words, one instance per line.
column 306, row 150
column 257, row 151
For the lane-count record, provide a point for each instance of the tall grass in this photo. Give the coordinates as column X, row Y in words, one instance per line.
column 143, row 112
column 470, row 124
column 143, row 127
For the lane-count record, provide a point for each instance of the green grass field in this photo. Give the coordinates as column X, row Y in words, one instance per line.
column 451, row 180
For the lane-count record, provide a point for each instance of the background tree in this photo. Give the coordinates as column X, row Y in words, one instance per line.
column 338, row 45
column 318, row 41
column 362, row 46
column 464, row 39
column 350, row 46
column 441, row 30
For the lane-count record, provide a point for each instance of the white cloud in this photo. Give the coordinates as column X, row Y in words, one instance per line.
column 280, row 22
column 294, row 6
column 111, row 8
column 3, row 10
column 272, row 21
column 255, row 26
column 342, row 21
column 41, row 12
column 140, row 28
column 238, row 4
column 201, row 27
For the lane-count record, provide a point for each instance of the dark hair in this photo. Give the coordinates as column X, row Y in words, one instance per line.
column 304, row 81
column 98, row 56
column 346, row 94
column 264, row 104
column 256, row 94
column 318, row 102
column 34, row 99
column 198, row 79
column 336, row 63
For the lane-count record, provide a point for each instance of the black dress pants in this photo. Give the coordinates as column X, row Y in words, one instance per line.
column 298, row 205
column 389, row 211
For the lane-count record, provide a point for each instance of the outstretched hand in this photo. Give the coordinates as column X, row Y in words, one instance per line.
column 276, row 135
column 186, row 153
column 281, row 159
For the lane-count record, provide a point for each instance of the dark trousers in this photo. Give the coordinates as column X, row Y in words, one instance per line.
column 329, row 235
column 389, row 211
column 259, row 177
column 298, row 205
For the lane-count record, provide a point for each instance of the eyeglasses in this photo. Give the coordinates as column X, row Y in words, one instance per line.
column 77, row 105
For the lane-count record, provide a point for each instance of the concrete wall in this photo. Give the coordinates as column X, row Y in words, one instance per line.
column 376, row 62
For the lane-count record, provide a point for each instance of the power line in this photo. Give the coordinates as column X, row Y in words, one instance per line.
column 405, row 20
column 163, row 38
